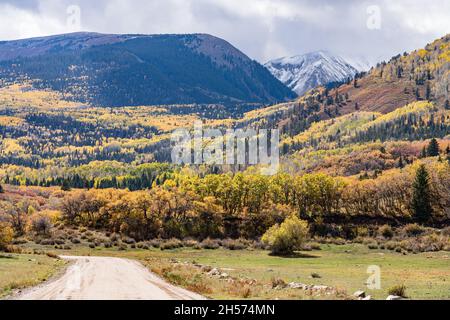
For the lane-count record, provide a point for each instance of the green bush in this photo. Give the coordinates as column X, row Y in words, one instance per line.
column 75, row 241
column 386, row 232
column 373, row 246
column 190, row 243
column 210, row 244
column 47, row 242
column 41, row 225
column 288, row 237
column 313, row 246
column 6, row 235
column 171, row 244
column 413, row 230
column 128, row 240
column 446, row 232
column 155, row 243
column 231, row 244
column 399, row 291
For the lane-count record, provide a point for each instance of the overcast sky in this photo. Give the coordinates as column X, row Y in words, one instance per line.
column 263, row 29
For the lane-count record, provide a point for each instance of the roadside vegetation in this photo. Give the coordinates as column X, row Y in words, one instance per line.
column 19, row 271
column 244, row 271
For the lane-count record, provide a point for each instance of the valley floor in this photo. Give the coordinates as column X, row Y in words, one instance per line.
column 103, row 278
column 26, row 270
column 253, row 274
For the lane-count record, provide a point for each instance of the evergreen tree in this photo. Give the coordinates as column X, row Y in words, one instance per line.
column 66, row 186
column 401, row 164
column 399, row 72
column 417, row 92
column 421, row 202
column 424, row 153
column 428, row 92
column 433, row 148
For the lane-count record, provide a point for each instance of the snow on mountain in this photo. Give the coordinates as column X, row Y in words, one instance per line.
column 304, row 72
column 360, row 63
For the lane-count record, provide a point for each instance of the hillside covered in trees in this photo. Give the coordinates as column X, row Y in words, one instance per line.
column 373, row 151
column 132, row 70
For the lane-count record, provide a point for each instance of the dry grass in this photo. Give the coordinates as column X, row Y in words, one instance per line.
column 20, row 271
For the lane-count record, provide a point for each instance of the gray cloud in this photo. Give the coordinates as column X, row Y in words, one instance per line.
column 263, row 29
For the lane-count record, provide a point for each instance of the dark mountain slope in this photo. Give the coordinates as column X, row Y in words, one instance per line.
column 118, row 70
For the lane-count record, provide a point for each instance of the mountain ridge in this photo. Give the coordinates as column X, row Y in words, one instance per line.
column 304, row 72
column 421, row 75
column 118, row 70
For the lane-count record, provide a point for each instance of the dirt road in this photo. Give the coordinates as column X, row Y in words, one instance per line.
column 96, row 278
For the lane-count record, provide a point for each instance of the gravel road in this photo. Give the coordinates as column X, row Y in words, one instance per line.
column 98, row 278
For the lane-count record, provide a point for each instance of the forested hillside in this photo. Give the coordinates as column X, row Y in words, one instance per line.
column 422, row 75
column 374, row 151
column 133, row 70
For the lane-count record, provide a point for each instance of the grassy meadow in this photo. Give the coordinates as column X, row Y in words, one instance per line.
column 18, row 271
column 343, row 267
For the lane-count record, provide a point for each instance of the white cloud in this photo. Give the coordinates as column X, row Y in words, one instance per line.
column 19, row 23
column 263, row 29
column 423, row 17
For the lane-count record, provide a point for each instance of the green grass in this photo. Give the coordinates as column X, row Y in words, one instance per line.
column 425, row 275
column 21, row 271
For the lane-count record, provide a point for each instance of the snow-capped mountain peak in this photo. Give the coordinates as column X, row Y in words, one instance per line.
column 305, row 72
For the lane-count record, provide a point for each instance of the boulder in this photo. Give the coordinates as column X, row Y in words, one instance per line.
column 359, row 294
column 206, row 269
column 214, row 272
column 394, row 298
column 278, row 284
column 320, row 288
column 295, row 285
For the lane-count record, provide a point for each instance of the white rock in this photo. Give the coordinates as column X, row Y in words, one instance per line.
column 214, row 272
column 295, row 285
column 320, row 288
column 393, row 298
column 359, row 294
column 206, row 269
